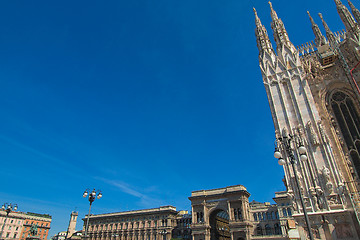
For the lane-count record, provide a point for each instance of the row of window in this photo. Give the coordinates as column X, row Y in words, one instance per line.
column 17, row 228
column 268, row 230
column 263, row 216
column 13, row 221
column 40, row 225
column 128, row 237
column 138, row 219
column 183, row 222
column 131, row 225
column 8, row 235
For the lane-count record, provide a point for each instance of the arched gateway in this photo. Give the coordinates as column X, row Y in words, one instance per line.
column 221, row 214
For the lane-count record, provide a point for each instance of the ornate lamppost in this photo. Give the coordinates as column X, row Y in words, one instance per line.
column 286, row 142
column 8, row 207
column 92, row 196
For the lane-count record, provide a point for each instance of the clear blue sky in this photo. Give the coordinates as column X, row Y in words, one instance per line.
column 145, row 100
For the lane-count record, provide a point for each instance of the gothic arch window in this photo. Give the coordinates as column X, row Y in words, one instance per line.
column 349, row 123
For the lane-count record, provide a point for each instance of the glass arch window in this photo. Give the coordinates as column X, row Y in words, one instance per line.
column 349, row 123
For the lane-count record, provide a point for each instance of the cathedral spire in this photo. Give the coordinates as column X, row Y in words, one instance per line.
column 273, row 13
column 280, row 34
column 346, row 17
column 355, row 11
column 319, row 38
column 329, row 34
column 262, row 38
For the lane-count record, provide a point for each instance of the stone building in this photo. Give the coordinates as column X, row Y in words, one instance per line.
column 221, row 214
column 314, row 97
column 149, row 224
column 72, row 224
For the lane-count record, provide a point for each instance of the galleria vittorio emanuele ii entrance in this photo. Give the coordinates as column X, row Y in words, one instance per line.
column 221, row 214
column 219, row 225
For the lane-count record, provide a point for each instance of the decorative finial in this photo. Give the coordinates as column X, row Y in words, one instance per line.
column 270, row 5
column 311, row 19
column 273, row 13
column 257, row 20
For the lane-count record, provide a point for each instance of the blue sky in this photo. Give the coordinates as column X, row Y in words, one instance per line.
column 145, row 100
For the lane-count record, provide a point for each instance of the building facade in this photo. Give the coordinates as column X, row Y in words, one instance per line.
column 13, row 225
column 18, row 225
column 149, row 224
column 42, row 221
column 314, row 97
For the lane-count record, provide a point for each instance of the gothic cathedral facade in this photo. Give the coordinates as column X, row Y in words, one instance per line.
column 314, row 99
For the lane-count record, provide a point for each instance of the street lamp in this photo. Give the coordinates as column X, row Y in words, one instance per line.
column 8, row 207
column 92, row 197
column 163, row 232
column 286, row 141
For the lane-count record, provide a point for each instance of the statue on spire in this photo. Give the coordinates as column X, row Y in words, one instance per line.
column 351, row 27
column 355, row 12
column 262, row 37
column 319, row 38
column 280, row 34
column 329, row 34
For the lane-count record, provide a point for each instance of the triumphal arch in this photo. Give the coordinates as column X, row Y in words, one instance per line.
column 221, row 214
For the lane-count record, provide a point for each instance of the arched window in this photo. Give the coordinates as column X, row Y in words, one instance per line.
column 273, row 215
column 268, row 229
column 276, row 215
column 268, row 216
column 284, row 212
column 263, row 216
column 277, row 229
column 259, row 216
column 349, row 123
column 255, row 216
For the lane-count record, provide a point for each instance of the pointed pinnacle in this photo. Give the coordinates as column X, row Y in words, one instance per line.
column 329, row 34
column 355, row 11
column 338, row 2
column 273, row 13
column 257, row 19
column 311, row 19
column 350, row 4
